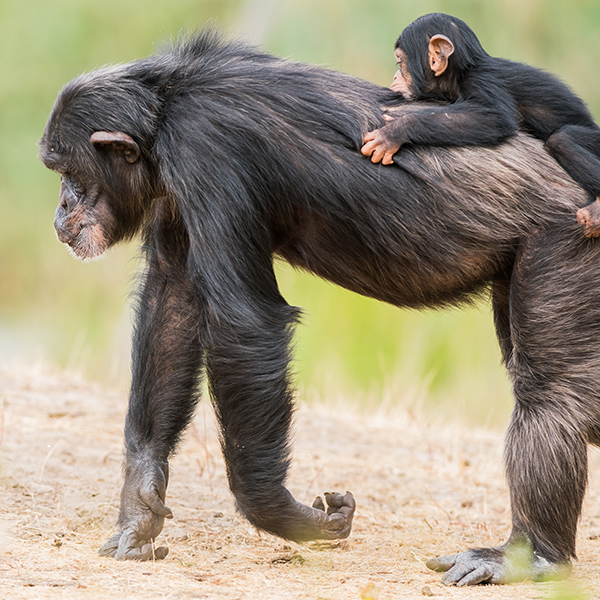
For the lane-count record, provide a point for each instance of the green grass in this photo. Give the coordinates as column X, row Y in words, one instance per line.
column 76, row 315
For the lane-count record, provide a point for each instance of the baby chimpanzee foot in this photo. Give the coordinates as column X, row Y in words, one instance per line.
column 589, row 217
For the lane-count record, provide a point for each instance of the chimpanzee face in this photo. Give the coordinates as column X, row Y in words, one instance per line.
column 402, row 79
column 97, row 207
column 83, row 219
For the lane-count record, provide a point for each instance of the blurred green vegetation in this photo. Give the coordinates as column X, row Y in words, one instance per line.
column 77, row 316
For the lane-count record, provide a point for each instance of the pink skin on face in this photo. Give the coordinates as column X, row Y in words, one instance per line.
column 401, row 81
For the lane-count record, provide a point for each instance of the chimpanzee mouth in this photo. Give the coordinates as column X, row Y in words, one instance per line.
column 89, row 244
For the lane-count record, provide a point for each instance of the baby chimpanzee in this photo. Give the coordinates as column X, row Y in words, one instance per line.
column 486, row 100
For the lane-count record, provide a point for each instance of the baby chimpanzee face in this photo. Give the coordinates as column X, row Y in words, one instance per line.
column 402, row 79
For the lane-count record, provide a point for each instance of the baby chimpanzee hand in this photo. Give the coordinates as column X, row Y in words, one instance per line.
column 381, row 144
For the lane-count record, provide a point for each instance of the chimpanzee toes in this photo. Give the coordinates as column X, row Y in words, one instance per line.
column 589, row 218
column 484, row 565
column 505, row 564
column 441, row 563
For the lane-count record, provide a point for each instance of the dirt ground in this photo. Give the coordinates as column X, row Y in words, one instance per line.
column 422, row 490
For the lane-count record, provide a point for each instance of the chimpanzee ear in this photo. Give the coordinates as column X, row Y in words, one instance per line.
column 116, row 141
column 440, row 48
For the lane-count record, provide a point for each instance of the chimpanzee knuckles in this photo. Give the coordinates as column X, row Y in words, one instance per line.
column 340, row 503
column 116, row 141
column 142, row 514
column 319, row 504
column 126, row 546
column 340, row 509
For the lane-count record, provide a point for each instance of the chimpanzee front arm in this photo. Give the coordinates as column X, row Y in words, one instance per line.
column 167, row 359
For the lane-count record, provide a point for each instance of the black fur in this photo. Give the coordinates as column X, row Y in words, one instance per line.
column 491, row 99
column 245, row 156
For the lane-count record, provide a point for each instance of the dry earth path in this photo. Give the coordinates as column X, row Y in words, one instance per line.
column 422, row 490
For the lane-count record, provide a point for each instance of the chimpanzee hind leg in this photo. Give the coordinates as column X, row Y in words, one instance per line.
column 247, row 368
column 577, row 149
column 555, row 367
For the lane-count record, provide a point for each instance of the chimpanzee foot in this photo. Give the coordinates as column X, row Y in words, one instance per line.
column 505, row 564
column 142, row 515
column 329, row 520
column 589, row 217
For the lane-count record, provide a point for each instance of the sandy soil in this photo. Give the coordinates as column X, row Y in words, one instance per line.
column 422, row 490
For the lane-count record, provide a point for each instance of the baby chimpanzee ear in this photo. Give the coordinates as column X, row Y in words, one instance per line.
column 440, row 48
column 118, row 142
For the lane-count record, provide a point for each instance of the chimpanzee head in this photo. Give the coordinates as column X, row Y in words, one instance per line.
column 99, row 138
column 433, row 54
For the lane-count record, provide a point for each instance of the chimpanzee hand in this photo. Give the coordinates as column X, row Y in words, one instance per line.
column 142, row 512
column 320, row 521
column 381, row 144
column 506, row 564
column 340, row 512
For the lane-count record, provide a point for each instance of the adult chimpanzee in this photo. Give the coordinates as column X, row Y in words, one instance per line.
column 440, row 58
column 222, row 157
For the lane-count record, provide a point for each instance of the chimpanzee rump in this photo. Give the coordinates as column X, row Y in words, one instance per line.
column 222, row 157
